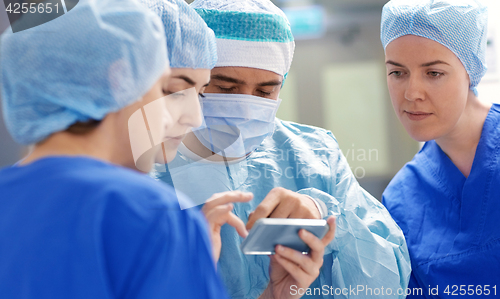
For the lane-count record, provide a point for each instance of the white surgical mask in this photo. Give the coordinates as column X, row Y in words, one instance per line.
column 234, row 125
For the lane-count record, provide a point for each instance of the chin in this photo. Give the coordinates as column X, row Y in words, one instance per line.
column 170, row 152
column 420, row 138
column 420, row 134
column 167, row 151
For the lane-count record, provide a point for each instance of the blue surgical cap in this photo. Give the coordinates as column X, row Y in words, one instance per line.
column 97, row 58
column 459, row 25
column 190, row 43
column 250, row 33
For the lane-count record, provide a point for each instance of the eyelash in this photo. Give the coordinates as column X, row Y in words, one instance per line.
column 394, row 73
column 168, row 93
column 165, row 92
column 438, row 74
column 226, row 89
column 231, row 89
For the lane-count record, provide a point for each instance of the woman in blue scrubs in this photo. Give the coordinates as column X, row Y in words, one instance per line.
column 446, row 200
column 75, row 220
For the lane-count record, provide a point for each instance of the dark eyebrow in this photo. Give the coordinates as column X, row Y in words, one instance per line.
column 423, row 65
column 434, row 63
column 187, row 79
column 394, row 63
column 227, row 79
column 270, row 83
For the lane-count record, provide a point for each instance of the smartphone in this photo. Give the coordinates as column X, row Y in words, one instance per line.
column 269, row 232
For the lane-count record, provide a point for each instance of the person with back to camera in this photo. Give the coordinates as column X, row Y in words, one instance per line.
column 75, row 220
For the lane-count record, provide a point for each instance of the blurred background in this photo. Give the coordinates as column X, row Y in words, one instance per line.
column 338, row 82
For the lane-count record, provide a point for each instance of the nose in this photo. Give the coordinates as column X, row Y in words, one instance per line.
column 166, row 118
column 415, row 89
column 191, row 115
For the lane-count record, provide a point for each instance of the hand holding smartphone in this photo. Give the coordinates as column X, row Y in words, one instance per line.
column 269, row 232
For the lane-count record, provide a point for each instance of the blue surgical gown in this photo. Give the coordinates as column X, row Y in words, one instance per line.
column 81, row 228
column 451, row 222
column 369, row 249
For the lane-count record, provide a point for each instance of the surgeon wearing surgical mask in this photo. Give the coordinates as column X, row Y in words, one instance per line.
column 239, row 107
column 446, row 200
column 292, row 170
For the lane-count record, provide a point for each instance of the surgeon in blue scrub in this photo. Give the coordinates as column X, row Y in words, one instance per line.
column 446, row 200
column 75, row 220
column 292, row 170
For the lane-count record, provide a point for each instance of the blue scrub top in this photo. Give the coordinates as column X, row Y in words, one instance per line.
column 81, row 228
column 451, row 222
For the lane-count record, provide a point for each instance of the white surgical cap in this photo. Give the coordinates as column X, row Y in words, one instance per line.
column 97, row 58
column 190, row 43
column 459, row 25
column 250, row 33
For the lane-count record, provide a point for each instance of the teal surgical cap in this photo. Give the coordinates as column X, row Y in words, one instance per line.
column 250, row 33
column 459, row 25
column 190, row 43
column 97, row 58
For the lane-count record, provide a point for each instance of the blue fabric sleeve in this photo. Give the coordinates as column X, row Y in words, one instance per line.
column 369, row 248
column 157, row 251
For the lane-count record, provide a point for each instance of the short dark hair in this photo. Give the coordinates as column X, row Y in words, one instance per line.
column 82, row 128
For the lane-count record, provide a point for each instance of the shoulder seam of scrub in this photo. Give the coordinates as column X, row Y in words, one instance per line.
column 473, row 250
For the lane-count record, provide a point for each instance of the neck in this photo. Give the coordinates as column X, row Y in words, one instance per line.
column 460, row 144
column 94, row 144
